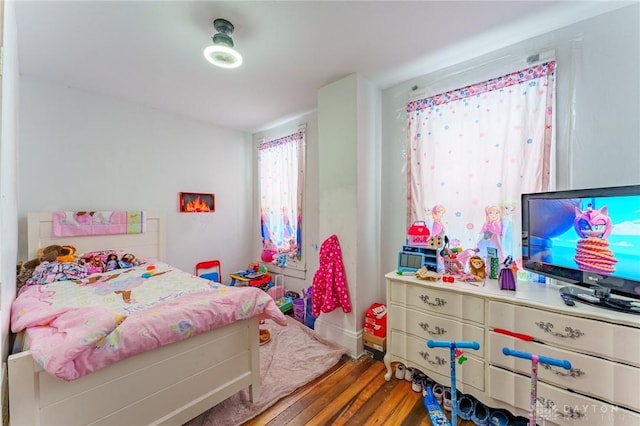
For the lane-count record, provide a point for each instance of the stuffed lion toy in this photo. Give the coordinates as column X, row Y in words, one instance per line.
column 477, row 267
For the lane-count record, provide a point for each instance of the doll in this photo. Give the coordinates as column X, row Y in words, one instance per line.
column 96, row 265
column 112, row 262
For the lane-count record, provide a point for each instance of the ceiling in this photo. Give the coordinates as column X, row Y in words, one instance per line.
column 150, row 52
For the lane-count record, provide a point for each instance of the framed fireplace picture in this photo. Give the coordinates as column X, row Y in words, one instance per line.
column 196, row 202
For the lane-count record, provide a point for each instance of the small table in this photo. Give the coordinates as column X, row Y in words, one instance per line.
column 243, row 278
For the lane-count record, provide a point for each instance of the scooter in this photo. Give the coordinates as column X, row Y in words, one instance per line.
column 435, row 412
column 563, row 363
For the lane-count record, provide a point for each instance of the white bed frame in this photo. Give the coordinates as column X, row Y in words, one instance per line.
column 168, row 385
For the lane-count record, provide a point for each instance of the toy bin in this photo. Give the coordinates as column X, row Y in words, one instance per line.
column 298, row 310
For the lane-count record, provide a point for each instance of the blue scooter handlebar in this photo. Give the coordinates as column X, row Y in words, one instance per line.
column 543, row 359
column 447, row 344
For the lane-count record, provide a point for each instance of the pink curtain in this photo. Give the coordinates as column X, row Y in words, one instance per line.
column 473, row 151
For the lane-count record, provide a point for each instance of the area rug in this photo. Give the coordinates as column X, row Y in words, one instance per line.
column 294, row 356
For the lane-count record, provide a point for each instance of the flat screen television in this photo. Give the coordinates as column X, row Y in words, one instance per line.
column 589, row 238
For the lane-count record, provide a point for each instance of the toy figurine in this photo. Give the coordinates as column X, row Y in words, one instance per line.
column 507, row 278
column 477, row 267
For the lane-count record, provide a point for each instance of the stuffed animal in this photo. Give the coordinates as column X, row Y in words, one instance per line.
column 477, row 267
column 70, row 255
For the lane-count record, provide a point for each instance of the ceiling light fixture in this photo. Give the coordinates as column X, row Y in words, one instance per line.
column 222, row 53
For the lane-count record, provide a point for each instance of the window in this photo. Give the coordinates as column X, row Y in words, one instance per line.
column 281, row 174
column 473, row 151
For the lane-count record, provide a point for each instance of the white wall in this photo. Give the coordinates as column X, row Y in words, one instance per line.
column 81, row 151
column 598, row 105
column 349, row 201
column 8, row 197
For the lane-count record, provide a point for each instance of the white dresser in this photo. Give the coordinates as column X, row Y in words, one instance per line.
column 602, row 387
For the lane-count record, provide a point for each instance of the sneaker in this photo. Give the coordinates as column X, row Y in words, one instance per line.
column 446, row 399
column 465, row 407
column 426, row 383
column 416, row 383
column 437, row 392
column 480, row 415
column 408, row 374
column 400, row 371
column 498, row 418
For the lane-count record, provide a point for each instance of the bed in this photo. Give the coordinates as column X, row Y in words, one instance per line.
column 167, row 385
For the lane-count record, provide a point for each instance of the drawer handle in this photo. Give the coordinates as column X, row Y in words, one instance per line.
column 573, row 372
column 439, row 360
column 549, row 406
column 547, row 327
column 438, row 303
column 439, row 331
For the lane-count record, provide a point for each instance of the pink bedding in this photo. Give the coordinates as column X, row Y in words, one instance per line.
column 76, row 327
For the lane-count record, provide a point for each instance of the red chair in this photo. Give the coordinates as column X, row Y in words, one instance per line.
column 209, row 270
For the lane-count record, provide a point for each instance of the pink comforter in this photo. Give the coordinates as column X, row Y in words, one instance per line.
column 76, row 327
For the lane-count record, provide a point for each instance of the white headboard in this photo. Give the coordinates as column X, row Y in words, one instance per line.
column 149, row 244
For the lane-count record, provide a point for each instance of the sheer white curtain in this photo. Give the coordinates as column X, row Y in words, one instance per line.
column 473, row 151
column 281, row 171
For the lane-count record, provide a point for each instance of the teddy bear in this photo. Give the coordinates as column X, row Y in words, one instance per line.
column 48, row 254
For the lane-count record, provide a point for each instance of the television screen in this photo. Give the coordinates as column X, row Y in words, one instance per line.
column 588, row 237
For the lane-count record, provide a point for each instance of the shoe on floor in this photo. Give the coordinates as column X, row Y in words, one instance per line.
column 437, row 392
column 416, row 383
column 408, row 374
column 400, row 371
column 498, row 418
column 426, row 383
column 446, row 399
column 480, row 414
column 465, row 407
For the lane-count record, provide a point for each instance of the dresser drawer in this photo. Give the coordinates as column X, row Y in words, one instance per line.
column 437, row 360
column 610, row 341
column 610, row 381
column 556, row 405
column 427, row 326
column 432, row 300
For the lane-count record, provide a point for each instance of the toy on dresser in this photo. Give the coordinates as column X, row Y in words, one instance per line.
column 420, row 250
column 507, row 276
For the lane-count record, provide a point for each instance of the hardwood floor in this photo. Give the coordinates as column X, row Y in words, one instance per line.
column 353, row 392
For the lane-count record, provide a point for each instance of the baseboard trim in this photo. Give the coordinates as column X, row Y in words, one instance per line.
column 352, row 341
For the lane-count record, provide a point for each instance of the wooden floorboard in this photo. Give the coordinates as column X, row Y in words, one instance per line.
column 352, row 393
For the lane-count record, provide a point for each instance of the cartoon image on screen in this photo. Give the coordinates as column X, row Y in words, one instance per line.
column 592, row 251
column 595, row 234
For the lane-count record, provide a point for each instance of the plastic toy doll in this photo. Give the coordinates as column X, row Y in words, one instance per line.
column 112, row 262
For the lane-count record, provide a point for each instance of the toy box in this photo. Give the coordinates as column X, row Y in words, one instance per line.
column 285, row 304
column 418, row 234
